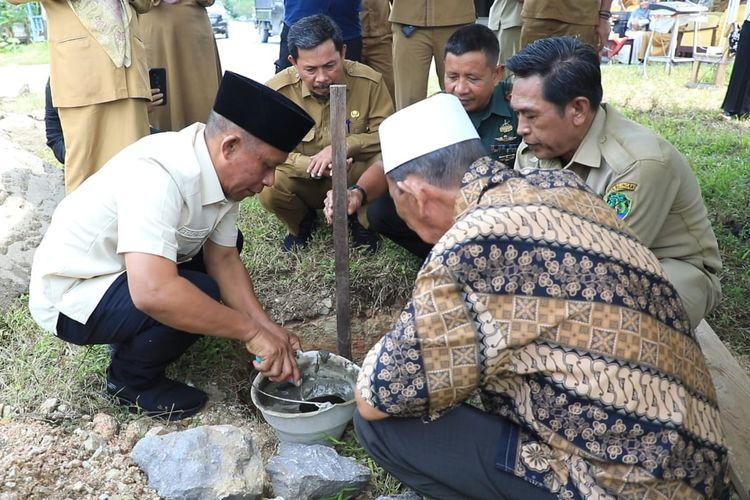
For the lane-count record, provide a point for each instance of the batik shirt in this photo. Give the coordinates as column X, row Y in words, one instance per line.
column 543, row 301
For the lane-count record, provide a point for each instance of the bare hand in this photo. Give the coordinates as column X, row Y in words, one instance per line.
column 277, row 355
column 157, row 98
column 321, row 164
column 353, row 202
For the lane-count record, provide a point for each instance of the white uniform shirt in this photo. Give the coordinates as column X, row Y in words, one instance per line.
column 159, row 196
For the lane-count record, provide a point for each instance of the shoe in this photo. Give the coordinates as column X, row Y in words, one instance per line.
column 165, row 399
column 306, row 227
column 362, row 237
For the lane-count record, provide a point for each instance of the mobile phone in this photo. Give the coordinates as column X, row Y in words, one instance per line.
column 408, row 30
column 157, row 78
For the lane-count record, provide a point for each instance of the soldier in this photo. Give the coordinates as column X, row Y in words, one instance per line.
column 317, row 54
column 420, row 30
column 557, row 93
column 472, row 75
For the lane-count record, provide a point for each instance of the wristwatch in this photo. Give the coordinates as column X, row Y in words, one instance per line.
column 357, row 187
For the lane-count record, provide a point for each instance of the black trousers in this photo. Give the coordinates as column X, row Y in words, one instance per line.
column 450, row 458
column 737, row 98
column 353, row 50
column 383, row 219
column 143, row 346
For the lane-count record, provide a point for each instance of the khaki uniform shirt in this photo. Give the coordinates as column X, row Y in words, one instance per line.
column 505, row 14
column 584, row 12
column 431, row 13
column 159, row 196
column 367, row 104
column 651, row 186
column 374, row 18
column 81, row 72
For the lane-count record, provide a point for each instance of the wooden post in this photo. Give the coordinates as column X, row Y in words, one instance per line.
column 339, row 121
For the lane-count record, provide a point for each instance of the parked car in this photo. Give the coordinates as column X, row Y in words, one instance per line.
column 218, row 24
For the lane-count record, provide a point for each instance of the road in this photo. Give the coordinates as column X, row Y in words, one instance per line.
column 242, row 53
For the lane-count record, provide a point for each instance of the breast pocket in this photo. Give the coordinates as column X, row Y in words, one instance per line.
column 357, row 122
column 189, row 241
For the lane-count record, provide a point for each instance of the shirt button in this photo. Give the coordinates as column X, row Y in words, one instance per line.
column 602, row 140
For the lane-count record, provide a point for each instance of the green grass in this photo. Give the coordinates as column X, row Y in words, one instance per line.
column 719, row 153
column 22, row 54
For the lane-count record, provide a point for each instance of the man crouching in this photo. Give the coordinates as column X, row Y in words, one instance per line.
column 539, row 299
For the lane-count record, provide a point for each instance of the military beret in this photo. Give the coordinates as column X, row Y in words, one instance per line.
column 261, row 111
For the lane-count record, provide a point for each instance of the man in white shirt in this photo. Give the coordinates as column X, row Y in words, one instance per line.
column 141, row 255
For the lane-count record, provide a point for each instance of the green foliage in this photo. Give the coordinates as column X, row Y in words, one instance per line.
column 240, row 8
column 10, row 15
column 22, row 54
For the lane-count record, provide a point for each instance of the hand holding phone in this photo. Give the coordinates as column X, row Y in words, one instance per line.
column 157, row 78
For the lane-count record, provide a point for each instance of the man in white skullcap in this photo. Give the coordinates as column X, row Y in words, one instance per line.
column 538, row 299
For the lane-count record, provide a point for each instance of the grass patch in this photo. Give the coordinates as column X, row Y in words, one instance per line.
column 297, row 285
column 23, row 54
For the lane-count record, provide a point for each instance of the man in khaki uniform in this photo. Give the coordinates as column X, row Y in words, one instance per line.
column 420, row 30
column 100, row 87
column 585, row 19
column 317, row 53
column 377, row 39
column 640, row 175
column 505, row 20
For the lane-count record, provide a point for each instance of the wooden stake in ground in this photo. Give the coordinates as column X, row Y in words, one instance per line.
column 338, row 124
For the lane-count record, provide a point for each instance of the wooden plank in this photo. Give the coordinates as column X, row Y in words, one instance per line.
column 340, row 222
column 733, row 391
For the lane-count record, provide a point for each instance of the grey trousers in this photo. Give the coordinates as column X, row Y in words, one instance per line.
column 453, row 457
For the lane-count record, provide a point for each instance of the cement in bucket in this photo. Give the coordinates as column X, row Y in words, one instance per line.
column 326, row 377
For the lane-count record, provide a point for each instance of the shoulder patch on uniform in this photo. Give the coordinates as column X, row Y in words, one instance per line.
column 623, row 186
column 621, row 202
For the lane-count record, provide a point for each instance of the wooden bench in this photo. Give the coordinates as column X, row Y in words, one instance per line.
column 733, row 390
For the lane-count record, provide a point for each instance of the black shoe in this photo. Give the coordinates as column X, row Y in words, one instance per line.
column 165, row 399
column 362, row 237
column 306, row 227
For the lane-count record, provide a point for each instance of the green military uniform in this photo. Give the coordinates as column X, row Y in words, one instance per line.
column 420, row 30
column 651, row 186
column 377, row 39
column 294, row 192
column 496, row 125
column 547, row 18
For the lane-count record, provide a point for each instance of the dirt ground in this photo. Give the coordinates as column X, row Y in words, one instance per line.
column 59, row 453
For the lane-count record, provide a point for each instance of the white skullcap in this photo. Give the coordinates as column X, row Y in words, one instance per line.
column 424, row 127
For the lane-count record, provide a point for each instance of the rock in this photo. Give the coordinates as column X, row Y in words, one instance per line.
column 105, row 425
column 133, row 432
column 302, row 471
column 93, row 441
column 217, row 461
column 29, row 192
column 48, row 406
column 156, row 431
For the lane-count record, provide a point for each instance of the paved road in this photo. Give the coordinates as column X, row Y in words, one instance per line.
column 242, row 53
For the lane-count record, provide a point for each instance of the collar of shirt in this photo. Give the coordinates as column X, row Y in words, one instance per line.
column 589, row 152
column 498, row 105
column 211, row 191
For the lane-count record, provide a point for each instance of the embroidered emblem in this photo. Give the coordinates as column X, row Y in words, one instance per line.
column 624, row 186
column 506, row 131
column 506, row 127
column 621, row 202
column 354, row 114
